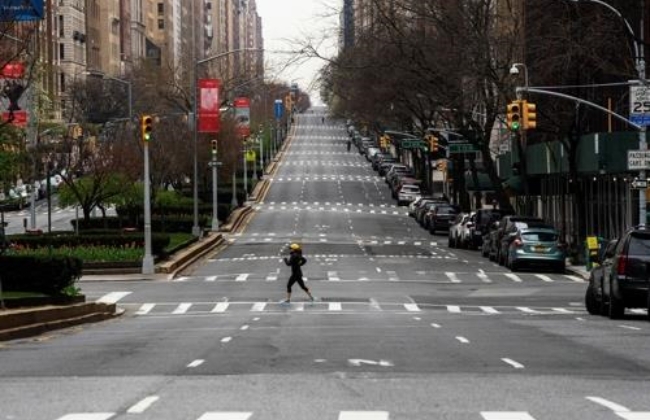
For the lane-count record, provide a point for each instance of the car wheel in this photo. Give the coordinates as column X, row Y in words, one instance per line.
column 484, row 254
column 590, row 301
column 616, row 307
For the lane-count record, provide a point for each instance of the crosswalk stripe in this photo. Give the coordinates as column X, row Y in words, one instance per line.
column 489, row 310
column 335, row 306
column 271, row 278
column 182, row 308
column 145, row 308
column 392, row 276
column 562, row 310
column 143, row 405
column 258, row 306
column 453, row 309
column 574, row 278
column 363, row 415
column 484, row 277
column 412, row 307
column 453, row 277
column 527, row 310
column 506, row 415
column 226, row 415
column 87, row 416
column 332, row 276
column 211, row 278
column 220, row 307
column 514, row 277
column 544, row 278
column 638, row 415
column 242, row 277
column 113, row 297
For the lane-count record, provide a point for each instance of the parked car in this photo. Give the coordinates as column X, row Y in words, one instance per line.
column 483, row 220
column 536, row 246
column 407, row 193
column 421, row 212
column 507, row 226
column 466, row 231
column 595, row 296
column 455, row 228
column 371, row 151
column 380, row 158
column 413, row 206
column 626, row 273
column 440, row 217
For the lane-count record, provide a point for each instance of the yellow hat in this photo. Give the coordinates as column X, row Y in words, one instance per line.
column 294, row 247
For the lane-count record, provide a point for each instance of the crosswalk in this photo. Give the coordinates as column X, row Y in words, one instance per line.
column 333, row 306
column 388, row 275
column 617, row 412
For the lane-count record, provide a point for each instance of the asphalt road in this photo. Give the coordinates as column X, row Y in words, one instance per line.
column 403, row 328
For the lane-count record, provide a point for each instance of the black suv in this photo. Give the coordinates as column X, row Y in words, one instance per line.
column 623, row 277
column 483, row 219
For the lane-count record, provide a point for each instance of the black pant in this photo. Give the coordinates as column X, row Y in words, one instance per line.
column 296, row 279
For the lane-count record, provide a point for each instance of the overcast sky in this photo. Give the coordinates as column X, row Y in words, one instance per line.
column 286, row 21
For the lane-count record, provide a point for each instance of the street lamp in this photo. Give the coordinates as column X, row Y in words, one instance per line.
column 196, row 231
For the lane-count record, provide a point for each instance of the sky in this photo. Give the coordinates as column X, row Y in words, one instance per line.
column 286, row 24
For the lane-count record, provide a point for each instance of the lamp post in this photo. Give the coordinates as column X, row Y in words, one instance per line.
column 522, row 145
column 195, row 226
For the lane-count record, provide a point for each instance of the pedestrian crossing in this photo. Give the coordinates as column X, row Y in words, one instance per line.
column 330, row 178
column 602, row 409
column 387, row 275
column 349, row 210
column 334, row 307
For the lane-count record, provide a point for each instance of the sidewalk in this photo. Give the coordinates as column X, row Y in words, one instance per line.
column 578, row 270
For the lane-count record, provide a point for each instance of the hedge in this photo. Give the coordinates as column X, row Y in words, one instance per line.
column 48, row 275
column 159, row 241
column 158, row 223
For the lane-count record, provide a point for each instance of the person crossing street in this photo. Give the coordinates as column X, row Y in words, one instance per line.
column 296, row 261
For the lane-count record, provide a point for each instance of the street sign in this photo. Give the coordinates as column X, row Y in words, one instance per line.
column 279, row 109
column 638, row 160
column 458, row 148
column 640, row 105
column 640, row 184
column 412, row 144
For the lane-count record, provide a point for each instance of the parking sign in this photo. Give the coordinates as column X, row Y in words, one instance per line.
column 640, row 105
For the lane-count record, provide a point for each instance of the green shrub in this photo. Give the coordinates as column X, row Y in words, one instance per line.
column 158, row 223
column 70, row 240
column 39, row 274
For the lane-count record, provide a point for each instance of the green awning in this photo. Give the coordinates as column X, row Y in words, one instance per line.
column 484, row 183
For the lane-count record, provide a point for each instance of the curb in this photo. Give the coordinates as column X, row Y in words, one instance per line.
column 31, row 322
column 191, row 254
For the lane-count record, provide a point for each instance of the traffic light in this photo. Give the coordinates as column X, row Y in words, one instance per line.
column 530, row 115
column 214, row 147
column 433, row 142
column 514, row 119
column 146, row 126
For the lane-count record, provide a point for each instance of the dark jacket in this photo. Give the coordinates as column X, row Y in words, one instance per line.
column 295, row 260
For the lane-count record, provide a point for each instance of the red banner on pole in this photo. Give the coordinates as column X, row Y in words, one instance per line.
column 208, row 109
column 17, row 118
column 243, row 116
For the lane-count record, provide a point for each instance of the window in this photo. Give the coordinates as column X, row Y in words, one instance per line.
column 161, row 9
column 61, row 31
column 161, row 23
column 62, row 82
column 61, row 51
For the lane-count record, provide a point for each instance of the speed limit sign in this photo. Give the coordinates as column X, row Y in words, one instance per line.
column 640, row 105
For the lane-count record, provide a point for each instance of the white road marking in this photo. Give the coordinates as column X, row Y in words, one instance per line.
column 220, row 307
column 412, row 307
column 611, row 405
column 333, row 276
column 258, row 306
column 562, row 310
column 196, row 363
column 242, row 277
column 392, row 276
column 374, row 304
column 145, row 308
column 514, row 277
column 484, row 277
column 211, row 278
column 182, row 308
column 271, row 277
column 181, row 279
column 452, row 277
column 489, row 310
column 87, row 416
column 630, row 328
column 544, row 278
column 453, row 309
column 226, row 415
column 512, row 363
column 527, row 310
column 335, row 306
column 244, row 327
column 639, row 415
column 113, row 297
column 506, row 415
column 462, row 340
column 226, row 339
column 363, row 415
column 434, row 325
column 143, row 405
column 575, row 278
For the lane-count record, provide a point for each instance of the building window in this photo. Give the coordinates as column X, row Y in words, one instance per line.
column 61, row 31
column 161, row 23
column 62, row 82
column 61, row 51
column 161, row 9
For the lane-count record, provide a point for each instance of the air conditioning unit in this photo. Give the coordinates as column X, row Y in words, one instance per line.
column 75, row 35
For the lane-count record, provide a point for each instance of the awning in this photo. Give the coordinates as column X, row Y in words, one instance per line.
column 484, row 183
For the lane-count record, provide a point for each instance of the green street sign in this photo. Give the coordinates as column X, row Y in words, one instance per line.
column 458, row 148
column 413, row 144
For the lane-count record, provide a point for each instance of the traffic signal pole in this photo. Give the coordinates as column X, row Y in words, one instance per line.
column 146, row 126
